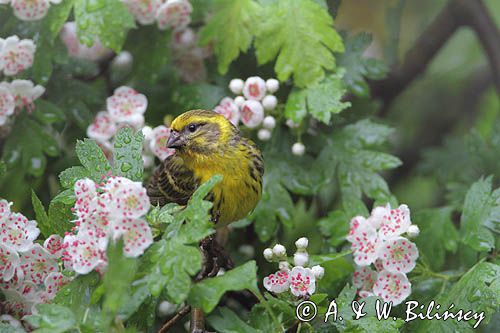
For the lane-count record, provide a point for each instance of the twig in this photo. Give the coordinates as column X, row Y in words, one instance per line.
column 178, row 316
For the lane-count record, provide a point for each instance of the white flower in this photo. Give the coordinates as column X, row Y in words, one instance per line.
column 354, row 224
column 30, row 10
column 75, row 49
column 123, row 61
column 18, row 233
column 147, row 131
column 318, row 271
column 25, row 92
column 37, row 263
column 184, row 39
column 16, row 55
column 264, row 134
column 413, row 231
column 302, row 281
column 83, row 252
column 86, row 197
column 300, row 259
column 365, row 243
column 236, row 86
column 298, row 149
column 272, row 85
column 129, row 199
column 239, row 100
column 269, row 122
column 136, row 234
column 4, row 210
column 175, row 14
column 364, row 278
column 103, row 128
column 158, row 143
column 269, row 102
column 252, row 113
column 254, row 88
column 7, row 104
column 54, row 282
column 393, row 222
column 278, row 282
column 144, row 11
column 398, row 255
column 9, row 262
column 228, row 108
column 279, row 250
column 302, row 243
column 284, row 265
column 126, row 103
column 268, row 254
column 53, row 245
column 392, row 287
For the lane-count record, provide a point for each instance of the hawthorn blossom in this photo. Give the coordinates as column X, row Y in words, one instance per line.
column 18, row 232
column 126, row 103
column 302, row 281
column 30, row 10
column 144, row 11
column 130, row 200
column 9, row 261
column 392, row 287
column 364, row 278
column 175, row 14
column 53, row 245
column 137, row 236
column 37, row 263
column 158, row 143
column 252, row 113
column 229, row 110
column 365, row 244
column 16, row 55
column 278, row 282
column 76, row 49
column 25, row 92
column 393, row 222
column 53, row 283
column 184, row 39
column 398, row 255
column 254, row 88
column 102, row 128
column 83, row 253
column 7, row 104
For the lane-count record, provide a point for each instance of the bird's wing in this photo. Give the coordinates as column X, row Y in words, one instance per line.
column 171, row 182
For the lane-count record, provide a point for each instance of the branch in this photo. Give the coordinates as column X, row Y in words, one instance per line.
column 456, row 13
column 178, row 316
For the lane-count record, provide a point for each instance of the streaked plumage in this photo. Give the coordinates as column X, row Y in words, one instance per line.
column 207, row 144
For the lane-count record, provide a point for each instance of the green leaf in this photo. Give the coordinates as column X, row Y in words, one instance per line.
column 295, row 30
column 319, row 259
column 108, row 20
column 321, row 100
column 207, row 293
column 231, row 29
column 42, row 219
column 481, row 215
column 47, row 112
column 359, row 67
column 60, row 216
column 3, row 169
column 478, row 290
column 197, row 96
column 52, row 318
column 226, row 321
column 127, row 154
column 92, row 158
column 71, row 175
column 437, row 235
column 335, row 226
column 8, row 328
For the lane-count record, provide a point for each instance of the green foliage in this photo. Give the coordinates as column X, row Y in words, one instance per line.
column 127, row 154
column 231, row 29
column 52, row 318
column 226, row 321
column 299, row 34
column 92, row 159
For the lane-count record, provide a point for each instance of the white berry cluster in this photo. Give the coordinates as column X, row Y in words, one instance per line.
column 29, row 10
column 255, row 97
column 78, row 50
column 300, row 280
column 29, row 271
column 168, row 14
column 377, row 241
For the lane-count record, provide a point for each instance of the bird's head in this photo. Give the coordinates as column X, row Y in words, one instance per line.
column 200, row 132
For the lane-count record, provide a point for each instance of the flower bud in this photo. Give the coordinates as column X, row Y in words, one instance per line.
column 302, row 243
column 239, row 100
column 254, row 88
column 269, row 122
column 264, row 134
column 252, row 113
column 166, row 308
column 284, row 266
column 147, row 131
column 279, row 250
column 413, row 231
column 291, row 124
column 269, row 102
column 272, row 85
column 298, row 149
column 268, row 254
column 236, row 86
column 300, row 259
column 123, row 61
column 318, row 272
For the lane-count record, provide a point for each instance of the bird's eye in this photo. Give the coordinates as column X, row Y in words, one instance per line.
column 192, row 128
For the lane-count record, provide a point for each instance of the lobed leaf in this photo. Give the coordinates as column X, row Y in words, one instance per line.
column 127, row 154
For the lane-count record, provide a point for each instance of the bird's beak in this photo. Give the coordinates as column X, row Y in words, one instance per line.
column 175, row 140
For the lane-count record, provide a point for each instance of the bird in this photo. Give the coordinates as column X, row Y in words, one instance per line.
column 208, row 144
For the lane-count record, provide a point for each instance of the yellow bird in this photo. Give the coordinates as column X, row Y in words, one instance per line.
column 208, row 144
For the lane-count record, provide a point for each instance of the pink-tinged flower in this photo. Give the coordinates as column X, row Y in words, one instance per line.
column 15, row 303
column 229, row 110
column 254, row 88
column 130, row 200
column 37, row 263
column 364, row 278
column 31, row 10
column 175, row 14
column 75, row 49
column 103, row 128
column 158, row 143
column 252, row 113
column 125, row 103
column 84, row 253
column 25, row 93
column 53, row 245
column 393, row 222
column 398, row 255
column 278, row 282
column 144, row 11
column 18, row 233
column 190, row 66
column 184, row 39
column 302, row 281
column 365, row 244
column 54, row 282
column 136, row 234
column 355, row 223
column 16, row 55
column 9, row 261
column 7, row 104
column 392, row 287
column 379, row 266
column 86, row 195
